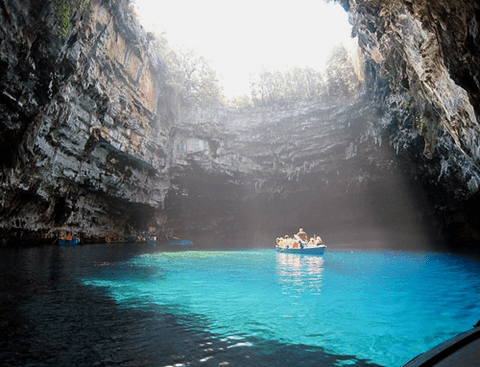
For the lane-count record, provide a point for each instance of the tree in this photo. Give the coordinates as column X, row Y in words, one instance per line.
column 189, row 74
column 285, row 87
column 196, row 80
column 342, row 79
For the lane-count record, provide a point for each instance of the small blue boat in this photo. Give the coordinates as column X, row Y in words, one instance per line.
column 179, row 242
column 151, row 240
column 316, row 250
column 68, row 241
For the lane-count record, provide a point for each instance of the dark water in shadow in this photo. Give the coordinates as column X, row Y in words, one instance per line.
column 49, row 318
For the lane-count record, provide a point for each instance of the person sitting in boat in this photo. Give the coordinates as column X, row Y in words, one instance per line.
column 303, row 236
column 287, row 241
column 318, row 240
column 302, row 243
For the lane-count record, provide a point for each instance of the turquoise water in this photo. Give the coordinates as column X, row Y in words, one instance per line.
column 385, row 307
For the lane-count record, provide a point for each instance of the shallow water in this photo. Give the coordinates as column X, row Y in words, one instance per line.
column 134, row 305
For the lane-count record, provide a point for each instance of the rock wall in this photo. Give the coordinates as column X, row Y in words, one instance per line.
column 422, row 59
column 85, row 121
column 94, row 142
column 420, row 99
column 248, row 176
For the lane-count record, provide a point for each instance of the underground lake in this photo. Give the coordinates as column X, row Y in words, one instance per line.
column 142, row 305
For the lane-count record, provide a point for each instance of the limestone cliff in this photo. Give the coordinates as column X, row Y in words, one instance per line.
column 84, row 121
column 423, row 59
column 251, row 175
column 94, row 142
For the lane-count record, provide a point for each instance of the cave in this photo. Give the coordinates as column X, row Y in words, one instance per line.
column 99, row 140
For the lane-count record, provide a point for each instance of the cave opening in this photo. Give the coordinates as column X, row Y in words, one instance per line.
column 114, row 136
column 260, row 125
column 341, row 181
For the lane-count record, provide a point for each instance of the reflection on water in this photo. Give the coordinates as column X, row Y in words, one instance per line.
column 299, row 272
column 292, row 264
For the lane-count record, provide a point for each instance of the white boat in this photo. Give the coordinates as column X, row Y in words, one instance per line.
column 307, row 250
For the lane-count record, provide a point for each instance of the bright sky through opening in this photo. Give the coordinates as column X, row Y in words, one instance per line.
column 239, row 37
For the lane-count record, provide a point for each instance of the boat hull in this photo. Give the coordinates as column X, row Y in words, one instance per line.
column 180, row 242
column 72, row 242
column 317, row 250
column 461, row 350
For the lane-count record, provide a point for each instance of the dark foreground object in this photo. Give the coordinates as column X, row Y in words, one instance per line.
column 460, row 351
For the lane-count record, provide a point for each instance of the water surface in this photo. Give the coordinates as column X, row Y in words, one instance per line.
column 140, row 305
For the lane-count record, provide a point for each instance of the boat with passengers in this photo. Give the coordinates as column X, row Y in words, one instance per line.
column 300, row 244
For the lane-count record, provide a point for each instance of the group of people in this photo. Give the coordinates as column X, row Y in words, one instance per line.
column 299, row 240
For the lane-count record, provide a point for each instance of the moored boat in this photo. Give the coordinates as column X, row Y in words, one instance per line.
column 68, row 241
column 307, row 250
column 179, row 242
column 151, row 240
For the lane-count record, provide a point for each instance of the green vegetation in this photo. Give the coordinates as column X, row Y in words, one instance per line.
column 189, row 74
column 66, row 11
column 419, row 123
column 341, row 79
column 195, row 82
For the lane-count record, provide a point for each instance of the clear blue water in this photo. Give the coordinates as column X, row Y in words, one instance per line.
column 385, row 307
